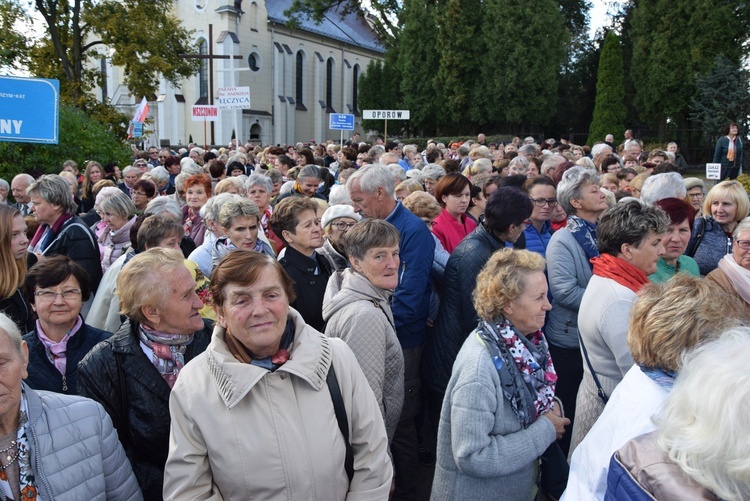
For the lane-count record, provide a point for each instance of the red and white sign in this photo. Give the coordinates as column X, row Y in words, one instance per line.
column 204, row 113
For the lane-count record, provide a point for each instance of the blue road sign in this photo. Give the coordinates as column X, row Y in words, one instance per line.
column 137, row 129
column 29, row 110
column 341, row 121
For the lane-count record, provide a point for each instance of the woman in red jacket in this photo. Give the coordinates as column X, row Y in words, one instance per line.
column 453, row 193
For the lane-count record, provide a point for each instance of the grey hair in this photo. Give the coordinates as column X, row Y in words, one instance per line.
column 211, row 209
column 55, row 191
column 598, row 149
column 127, row 170
column 160, row 173
column 397, row 171
column 309, row 171
column 260, row 179
column 233, row 209
column 105, row 193
column 368, row 234
column 520, row 159
column 179, row 180
column 463, row 150
column 372, row 177
column 198, row 150
column 238, row 157
column 11, row 329
column 26, row 177
column 573, row 180
column 409, row 148
column 629, row 223
column 742, row 227
column 117, row 203
column 528, row 149
column 164, row 205
column 189, row 167
column 661, row 186
column 551, row 161
column 432, row 171
column 5, row 183
column 339, row 195
column 481, row 165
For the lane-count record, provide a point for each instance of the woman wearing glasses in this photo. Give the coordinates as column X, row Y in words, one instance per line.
column 56, row 289
column 733, row 273
column 453, row 193
column 336, row 222
column 541, row 191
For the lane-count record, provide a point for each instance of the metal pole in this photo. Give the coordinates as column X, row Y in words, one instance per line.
column 341, row 139
column 205, row 146
column 385, row 139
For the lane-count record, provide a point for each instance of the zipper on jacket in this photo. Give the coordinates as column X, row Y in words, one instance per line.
column 65, row 383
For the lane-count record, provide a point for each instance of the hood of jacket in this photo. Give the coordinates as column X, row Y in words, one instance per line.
column 348, row 286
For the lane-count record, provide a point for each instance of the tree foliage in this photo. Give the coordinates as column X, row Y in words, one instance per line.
column 723, row 97
column 609, row 111
column 81, row 138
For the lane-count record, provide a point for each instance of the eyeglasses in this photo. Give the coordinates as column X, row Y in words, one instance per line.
column 342, row 226
column 541, row 202
column 743, row 244
column 695, row 195
column 67, row 295
column 138, row 193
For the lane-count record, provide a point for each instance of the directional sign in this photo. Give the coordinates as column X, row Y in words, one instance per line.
column 137, row 129
column 385, row 114
column 233, row 98
column 29, row 110
column 204, row 113
column 341, row 121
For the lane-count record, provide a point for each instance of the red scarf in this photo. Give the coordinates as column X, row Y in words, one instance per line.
column 619, row 270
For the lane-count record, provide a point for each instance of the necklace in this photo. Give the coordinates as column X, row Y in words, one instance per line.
column 12, row 444
column 10, row 460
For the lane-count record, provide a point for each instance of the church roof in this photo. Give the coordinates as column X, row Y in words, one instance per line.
column 351, row 29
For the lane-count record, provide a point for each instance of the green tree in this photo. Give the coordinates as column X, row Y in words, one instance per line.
column 525, row 47
column 81, row 138
column 609, row 111
column 418, row 63
column 370, row 93
column 460, row 48
column 723, row 97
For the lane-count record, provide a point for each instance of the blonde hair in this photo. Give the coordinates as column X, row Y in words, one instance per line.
column 637, row 182
column 658, row 338
column 732, row 189
column 144, row 281
column 12, row 270
column 502, row 280
column 422, row 204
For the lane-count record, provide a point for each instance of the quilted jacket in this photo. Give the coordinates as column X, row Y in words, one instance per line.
column 74, row 450
column 143, row 426
column 457, row 317
column 350, row 310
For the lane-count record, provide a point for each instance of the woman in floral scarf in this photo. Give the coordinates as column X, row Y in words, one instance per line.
column 500, row 413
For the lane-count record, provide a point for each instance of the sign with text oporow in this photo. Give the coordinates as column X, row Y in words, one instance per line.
column 29, row 110
column 385, row 114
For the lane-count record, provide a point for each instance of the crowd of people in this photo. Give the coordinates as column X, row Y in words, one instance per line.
column 475, row 320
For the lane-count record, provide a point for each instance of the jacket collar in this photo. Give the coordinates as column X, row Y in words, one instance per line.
column 489, row 238
column 350, row 288
column 310, row 358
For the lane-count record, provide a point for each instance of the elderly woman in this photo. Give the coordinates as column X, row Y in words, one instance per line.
column 569, row 270
column 4, row 190
column 675, row 241
column 431, row 174
column 56, row 289
column 60, row 230
column 240, row 221
column 266, row 365
column 197, row 192
column 699, row 450
column 202, row 255
column 453, row 193
column 118, row 215
column 500, row 413
column 695, row 193
column 733, row 272
column 658, row 340
column 295, row 221
column 132, row 373
column 630, row 243
column 14, row 262
column 336, row 222
column 356, row 310
column 541, row 191
column 142, row 192
column 55, row 446
column 258, row 188
column 725, row 205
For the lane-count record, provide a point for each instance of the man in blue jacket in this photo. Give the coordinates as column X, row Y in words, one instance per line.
column 372, row 190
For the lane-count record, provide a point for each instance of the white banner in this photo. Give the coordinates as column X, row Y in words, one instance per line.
column 233, row 98
column 204, row 113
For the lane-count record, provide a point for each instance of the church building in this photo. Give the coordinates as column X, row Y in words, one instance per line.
column 297, row 76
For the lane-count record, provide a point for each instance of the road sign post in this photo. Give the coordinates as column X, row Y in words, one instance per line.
column 385, row 115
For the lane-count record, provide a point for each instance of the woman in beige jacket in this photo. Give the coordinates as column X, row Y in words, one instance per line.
column 254, row 417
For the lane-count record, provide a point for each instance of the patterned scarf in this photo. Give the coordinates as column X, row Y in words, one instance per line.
column 45, row 233
column 731, row 149
column 271, row 363
column 56, row 350
column 619, row 270
column 663, row 378
column 585, row 234
column 169, row 351
column 27, row 479
column 527, row 375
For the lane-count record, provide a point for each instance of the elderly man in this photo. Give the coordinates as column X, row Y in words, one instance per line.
column 481, row 139
column 372, row 191
column 153, row 156
column 599, row 152
column 18, row 187
column 132, row 373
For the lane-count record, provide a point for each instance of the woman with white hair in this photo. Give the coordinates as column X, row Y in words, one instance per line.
column 240, row 222
column 118, row 215
column 4, row 190
column 202, row 254
column 700, row 450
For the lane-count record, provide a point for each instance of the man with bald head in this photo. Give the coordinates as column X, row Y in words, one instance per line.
column 18, row 188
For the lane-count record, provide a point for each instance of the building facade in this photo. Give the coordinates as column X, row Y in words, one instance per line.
column 297, row 76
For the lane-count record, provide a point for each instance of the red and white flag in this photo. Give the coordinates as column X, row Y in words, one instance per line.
column 139, row 116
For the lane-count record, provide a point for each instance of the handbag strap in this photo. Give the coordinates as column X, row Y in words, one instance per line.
column 340, row 410
column 599, row 389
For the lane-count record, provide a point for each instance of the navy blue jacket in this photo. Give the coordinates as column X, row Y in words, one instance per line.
column 411, row 301
column 43, row 375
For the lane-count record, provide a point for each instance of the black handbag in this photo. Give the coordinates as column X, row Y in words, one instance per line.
column 554, row 470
